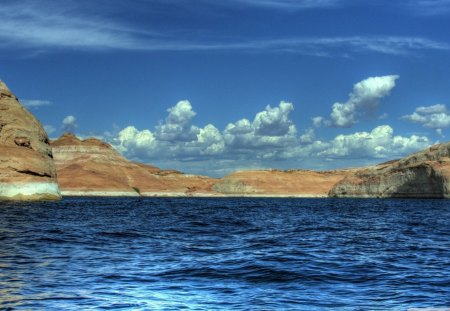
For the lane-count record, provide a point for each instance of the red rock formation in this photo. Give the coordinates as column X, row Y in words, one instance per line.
column 92, row 167
column 27, row 171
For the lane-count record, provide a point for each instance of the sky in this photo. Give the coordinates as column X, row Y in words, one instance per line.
column 210, row 87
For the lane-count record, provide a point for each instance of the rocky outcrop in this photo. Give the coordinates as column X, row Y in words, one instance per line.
column 290, row 183
column 92, row 167
column 27, row 171
column 425, row 174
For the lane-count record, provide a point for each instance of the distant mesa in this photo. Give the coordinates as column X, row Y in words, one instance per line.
column 91, row 167
column 27, row 171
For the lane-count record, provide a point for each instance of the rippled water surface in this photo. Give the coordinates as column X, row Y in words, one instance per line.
column 224, row 254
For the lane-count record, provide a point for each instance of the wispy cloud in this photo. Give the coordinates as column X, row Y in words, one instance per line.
column 35, row 103
column 286, row 4
column 329, row 46
column 430, row 7
column 43, row 26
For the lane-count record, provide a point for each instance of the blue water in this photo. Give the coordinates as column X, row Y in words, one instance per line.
column 224, row 254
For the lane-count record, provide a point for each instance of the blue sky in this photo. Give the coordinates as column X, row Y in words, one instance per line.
column 214, row 86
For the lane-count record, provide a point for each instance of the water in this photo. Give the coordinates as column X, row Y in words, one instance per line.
column 224, row 254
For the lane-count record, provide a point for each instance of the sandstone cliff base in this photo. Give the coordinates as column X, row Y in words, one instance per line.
column 27, row 171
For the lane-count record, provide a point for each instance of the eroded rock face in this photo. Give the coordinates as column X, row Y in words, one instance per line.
column 301, row 183
column 425, row 174
column 27, row 171
column 92, row 167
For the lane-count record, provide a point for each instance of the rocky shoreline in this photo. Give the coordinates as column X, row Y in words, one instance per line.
column 69, row 193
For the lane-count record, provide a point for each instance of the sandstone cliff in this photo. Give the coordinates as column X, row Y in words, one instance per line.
column 298, row 183
column 92, row 167
column 425, row 174
column 27, row 171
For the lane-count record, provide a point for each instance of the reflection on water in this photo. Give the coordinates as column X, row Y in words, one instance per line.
column 226, row 254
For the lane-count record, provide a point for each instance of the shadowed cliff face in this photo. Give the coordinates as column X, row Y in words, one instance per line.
column 425, row 174
column 27, row 170
column 93, row 167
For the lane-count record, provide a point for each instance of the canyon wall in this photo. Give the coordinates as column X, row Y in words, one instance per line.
column 27, row 171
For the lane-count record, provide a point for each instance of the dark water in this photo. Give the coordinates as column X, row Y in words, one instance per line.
column 225, row 254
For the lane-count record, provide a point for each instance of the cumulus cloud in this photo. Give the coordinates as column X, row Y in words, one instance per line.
column 134, row 142
column 317, row 121
column 273, row 121
column 379, row 143
column 176, row 138
column 434, row 117
column 308, row 137
column 268, row 140
column 177, row 126
column 362, row 102
column 270, row 128
column 210, row 140
column 69, row 124
column 270, row 131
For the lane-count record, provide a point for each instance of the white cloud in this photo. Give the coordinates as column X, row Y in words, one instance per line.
column 308, row 137
column 210, row 140
column 317, row 121
column 176, row 138
column 379, row 143
column 69, row 124
column 35, row 103
column 133, row 141
column 270, row 129
column 178, row 124
column 433, row 117
column 273, row 121
column 269, row 140
column 363, row 101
